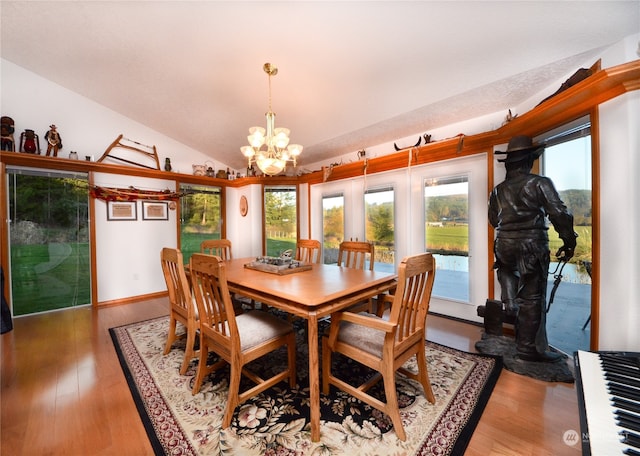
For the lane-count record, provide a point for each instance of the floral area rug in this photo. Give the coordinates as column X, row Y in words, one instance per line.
column 276, row 422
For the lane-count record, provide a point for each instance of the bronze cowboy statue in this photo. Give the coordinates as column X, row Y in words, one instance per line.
column 518, row 209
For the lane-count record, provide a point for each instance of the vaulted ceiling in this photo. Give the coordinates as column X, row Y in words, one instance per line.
column 352, row 74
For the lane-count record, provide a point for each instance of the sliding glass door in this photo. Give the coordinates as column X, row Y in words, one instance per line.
column 567, row 162
column 280, row 215
column 379, row 207
column 200, row 217
column 48, row 240
column 446, row 202
column 332, row 227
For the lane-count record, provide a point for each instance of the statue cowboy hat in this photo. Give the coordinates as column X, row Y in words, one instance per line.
column 520, row 148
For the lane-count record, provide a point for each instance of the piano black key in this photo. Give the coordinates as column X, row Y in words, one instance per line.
column 627, row 415
column 614, row 390
column 623, row 369
column 632, row 406
column 630, row 425
column 622, row 387
column 633, row 362
column 621, row 414
column 622, row 358
column 630, row 439
column 622, row 379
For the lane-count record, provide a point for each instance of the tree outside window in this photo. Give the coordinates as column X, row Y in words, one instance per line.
column 280, row 213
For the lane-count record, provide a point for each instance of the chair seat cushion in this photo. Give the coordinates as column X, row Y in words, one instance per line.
column 368, row 339
column 256, row 327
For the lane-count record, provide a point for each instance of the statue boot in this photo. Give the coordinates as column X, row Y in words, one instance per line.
column 528, row 326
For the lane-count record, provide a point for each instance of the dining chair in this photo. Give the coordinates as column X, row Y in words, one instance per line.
column 355, row 254
column 223, row 249
column 309, row 251
column 182, row 307
column 385, row 343
column 236, row 339
column 219, row 247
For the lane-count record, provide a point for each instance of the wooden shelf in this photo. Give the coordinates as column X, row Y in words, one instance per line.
column 571, row 104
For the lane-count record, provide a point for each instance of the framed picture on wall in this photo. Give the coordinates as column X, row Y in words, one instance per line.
column 122, row 210
column 155, row 210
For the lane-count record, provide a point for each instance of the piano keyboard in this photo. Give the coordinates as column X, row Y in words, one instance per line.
column 608, row 386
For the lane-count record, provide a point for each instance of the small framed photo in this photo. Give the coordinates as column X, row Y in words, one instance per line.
column 155, row 210
column 122, row 210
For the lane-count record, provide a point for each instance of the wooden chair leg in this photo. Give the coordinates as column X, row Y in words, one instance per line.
column 392, row 406
column 423, row 376
column 188, row 351
column 202, row 367
column 232, row 400
column 171, row 337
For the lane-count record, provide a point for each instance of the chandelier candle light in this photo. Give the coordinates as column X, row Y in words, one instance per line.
column 278, row 152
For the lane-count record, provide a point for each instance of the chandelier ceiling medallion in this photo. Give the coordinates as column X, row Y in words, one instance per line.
column 272, row 159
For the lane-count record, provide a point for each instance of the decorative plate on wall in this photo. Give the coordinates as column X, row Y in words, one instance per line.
column 244, row 205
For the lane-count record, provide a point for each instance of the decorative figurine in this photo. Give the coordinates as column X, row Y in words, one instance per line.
column 6, row 130
column 518, row 210
column 54, row 141
column 29, row 142
column 167, row 164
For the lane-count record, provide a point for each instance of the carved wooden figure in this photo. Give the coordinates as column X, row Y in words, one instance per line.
column 54, row 141
column 6, row 133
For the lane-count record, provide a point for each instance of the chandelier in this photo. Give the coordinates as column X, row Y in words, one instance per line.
column 272, row 159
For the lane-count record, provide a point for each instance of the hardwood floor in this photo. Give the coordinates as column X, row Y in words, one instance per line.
column 63, row 391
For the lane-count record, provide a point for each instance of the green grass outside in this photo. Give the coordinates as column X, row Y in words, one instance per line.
column 39, row 285
column 190, row 243
column 275, row 246
column 448, row 238
column 455, row 239
column 68, row 283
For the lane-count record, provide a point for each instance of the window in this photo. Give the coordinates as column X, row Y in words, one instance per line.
column 332, row 226
column 446, row 202
column 48, row 240
column 200, row 217
column 280, row 213
column 379, row 226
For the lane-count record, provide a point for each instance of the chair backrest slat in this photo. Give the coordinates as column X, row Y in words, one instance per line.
column 176, row 279
column 410, row 306
column 308, row 251
column 219, row 247
column 209, row 281
column 354, row 254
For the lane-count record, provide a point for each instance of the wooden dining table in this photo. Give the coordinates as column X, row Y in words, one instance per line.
column 310, row 294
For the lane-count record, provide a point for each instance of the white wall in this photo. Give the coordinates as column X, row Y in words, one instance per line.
column 245, row 233
column 128, row 252
column 84, row 125
column 620, row 223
